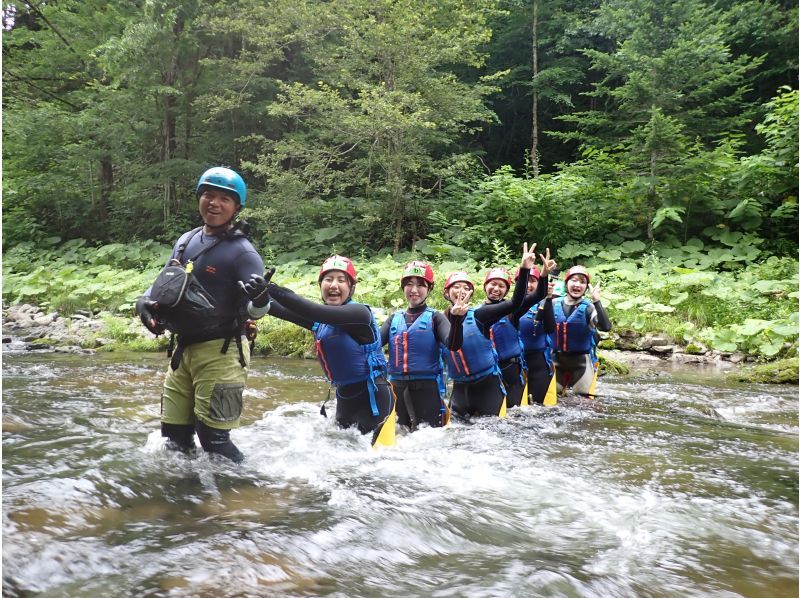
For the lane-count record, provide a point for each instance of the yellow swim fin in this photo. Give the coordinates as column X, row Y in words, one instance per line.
column 593, row 386
column 502, row 409
column 385, row 434
column 551, row 396
column 525, row 402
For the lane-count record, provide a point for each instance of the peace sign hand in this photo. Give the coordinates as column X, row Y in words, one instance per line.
column 548, row 264
column 461, row 303
column 595, row 291
column 528, row 257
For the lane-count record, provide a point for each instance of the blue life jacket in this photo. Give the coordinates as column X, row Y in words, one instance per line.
column 476, row 358
column 531, row 330
column 414, row 352
column 573, row 334
column 344, row 361
column 506, row 339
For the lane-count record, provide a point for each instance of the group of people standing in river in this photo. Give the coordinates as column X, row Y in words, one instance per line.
column 501, row 354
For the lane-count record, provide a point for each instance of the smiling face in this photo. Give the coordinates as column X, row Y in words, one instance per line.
column 533, row 282
column 576, row 286
column 217, row 208
column 458, row 290
column 416, row 291
column 495, row 289
column 335, row 287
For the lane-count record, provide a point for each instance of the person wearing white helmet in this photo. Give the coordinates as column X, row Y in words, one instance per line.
column 224, row 286
column 348, row 347
column 573, row 341
column 416, row 339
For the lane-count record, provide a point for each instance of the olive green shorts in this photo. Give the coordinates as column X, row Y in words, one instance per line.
column 207, row 386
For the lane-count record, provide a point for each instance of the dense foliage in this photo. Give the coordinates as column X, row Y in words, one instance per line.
column 655, row 141
column 728, row 297
column 381, row 124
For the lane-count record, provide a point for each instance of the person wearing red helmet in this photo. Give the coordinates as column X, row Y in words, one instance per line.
column 478, row 387
column 505, row 337
column 416, row 338
column 509, row 333
column 535, row 324
column 573, row 341
column 348, row 346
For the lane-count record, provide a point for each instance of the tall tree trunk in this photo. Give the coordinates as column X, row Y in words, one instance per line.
column 535, row 107
column 106, row 187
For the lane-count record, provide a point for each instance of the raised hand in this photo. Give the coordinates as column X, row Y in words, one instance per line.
column 257, row 288
column 595, row 291
column 548, row 264
column 461, row 303
column 528, row 256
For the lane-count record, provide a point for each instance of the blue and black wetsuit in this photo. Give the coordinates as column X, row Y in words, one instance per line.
column 348, row 347
column 477, row 390
column 416, row 339
column 573, row 341
column 535, row 322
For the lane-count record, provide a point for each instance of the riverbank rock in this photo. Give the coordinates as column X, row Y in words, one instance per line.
column 27, row 327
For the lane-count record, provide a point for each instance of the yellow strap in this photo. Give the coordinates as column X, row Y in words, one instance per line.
column 551, row 396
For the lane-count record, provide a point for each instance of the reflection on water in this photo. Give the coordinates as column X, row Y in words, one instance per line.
column 671, row 485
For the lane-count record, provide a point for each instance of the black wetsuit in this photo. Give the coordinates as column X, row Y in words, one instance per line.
column 353, row 402
column 539, row 373
column 420, row 400
column 486, row 395
column 575, row 369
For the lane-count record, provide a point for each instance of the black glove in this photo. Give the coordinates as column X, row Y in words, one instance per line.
column 146, row 308
column 256, row 288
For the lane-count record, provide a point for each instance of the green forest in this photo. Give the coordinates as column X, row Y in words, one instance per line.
column 655, row 142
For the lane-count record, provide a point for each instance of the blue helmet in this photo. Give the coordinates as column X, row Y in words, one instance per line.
column 224, row 178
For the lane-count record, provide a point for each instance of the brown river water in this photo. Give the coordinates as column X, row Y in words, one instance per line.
column 674, row 483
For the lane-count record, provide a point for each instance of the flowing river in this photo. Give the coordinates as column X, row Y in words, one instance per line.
column 674, row 483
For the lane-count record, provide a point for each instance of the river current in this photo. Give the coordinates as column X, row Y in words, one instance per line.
column 672, row 483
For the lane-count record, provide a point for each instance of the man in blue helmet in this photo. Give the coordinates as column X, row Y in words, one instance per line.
column 208, row 368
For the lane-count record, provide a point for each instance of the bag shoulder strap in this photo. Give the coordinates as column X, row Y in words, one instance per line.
column 182, row 247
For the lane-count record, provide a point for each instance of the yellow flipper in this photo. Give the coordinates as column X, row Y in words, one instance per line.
column 551, row 396
column 594, row 383
column 525, row 402
column 385, row 435
column 502, row 409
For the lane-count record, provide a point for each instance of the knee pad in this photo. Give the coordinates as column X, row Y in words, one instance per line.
column 180, row 436
column 218, row 442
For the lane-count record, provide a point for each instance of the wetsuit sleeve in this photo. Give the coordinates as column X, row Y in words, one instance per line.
column 603, row 322
column 489, row 313
column 353, row 318
column 445, row 333
column 385, row 327
column 529, row 301
column 548, row 316
column 456, row 337
column 277, row 310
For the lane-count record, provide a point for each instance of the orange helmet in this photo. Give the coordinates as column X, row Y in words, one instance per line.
column 420, row 269
column 338, row 262
column 457, row 277
column 574, row 271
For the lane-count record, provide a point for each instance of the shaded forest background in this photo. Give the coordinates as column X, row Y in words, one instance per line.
column 381, row 126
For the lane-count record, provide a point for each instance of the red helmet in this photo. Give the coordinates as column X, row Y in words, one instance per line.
column 574, row 271
column 534, row 273
column 458, row 277
column 338, row 262
column 498, row 274
column 417, row 268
